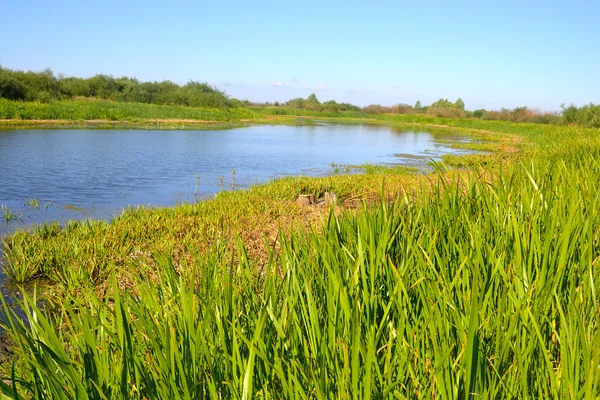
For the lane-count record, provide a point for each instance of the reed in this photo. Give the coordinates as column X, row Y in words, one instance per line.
column 34, row 202
column 7, row 214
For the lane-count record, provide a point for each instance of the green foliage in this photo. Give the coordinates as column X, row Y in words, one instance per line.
column 464, row 161
column 298, row 102
column 399, row 108
column 33, row 202
column 112, row 111
column 443, row 103
column 7, row 214
column 588, row 115
column 333, row 106
column 519, row 114
column 313, row 104
column 312, row 99
column 387, row 169
column 479, row 113
column 45, row 87
column 11, row 88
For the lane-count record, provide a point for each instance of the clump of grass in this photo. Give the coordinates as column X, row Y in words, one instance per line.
column 469, row 160
column 337, row 168
column 7, row 214
column 387, row 169
column 33, row 202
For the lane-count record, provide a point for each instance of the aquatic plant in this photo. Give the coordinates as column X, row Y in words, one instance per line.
column 7, row 214
column 33, row 202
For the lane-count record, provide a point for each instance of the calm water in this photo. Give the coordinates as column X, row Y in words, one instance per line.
column 96, row 173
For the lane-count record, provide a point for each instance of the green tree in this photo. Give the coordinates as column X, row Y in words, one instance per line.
column 442, row 103
column 11, row 88
column 460, row 104
column 312, row 99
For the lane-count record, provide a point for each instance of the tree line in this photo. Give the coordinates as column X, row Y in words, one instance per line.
column 45, row 86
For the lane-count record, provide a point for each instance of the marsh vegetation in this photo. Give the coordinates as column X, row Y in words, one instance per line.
column 480, row 281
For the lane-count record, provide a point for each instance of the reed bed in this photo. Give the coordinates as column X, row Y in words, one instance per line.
column 479, row 283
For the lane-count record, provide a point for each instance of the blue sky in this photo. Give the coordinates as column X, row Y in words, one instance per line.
column 491, row 54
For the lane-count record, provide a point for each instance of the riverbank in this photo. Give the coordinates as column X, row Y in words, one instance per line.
column 459, row 281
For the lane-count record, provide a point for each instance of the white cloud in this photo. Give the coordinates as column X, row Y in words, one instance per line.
column 278, row 84
column 320, row 86
column 295, row 80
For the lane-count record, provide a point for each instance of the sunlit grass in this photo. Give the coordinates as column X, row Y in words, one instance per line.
column 371, row 169
column 478, row 282
column 115, row 111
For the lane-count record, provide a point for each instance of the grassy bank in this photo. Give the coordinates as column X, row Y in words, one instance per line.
column 82, row 110
column 480, row 281
column 106, row 114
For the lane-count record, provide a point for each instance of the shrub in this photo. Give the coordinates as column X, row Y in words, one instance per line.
column 11, row 88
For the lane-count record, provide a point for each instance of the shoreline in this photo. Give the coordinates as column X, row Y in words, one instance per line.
column 494, row 143
column 353, row 187
column 299, row 120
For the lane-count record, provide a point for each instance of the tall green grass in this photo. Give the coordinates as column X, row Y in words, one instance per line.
column 482, row 284
column 115, row 111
